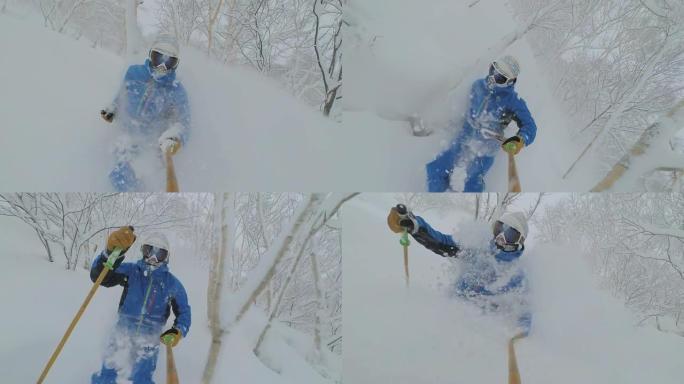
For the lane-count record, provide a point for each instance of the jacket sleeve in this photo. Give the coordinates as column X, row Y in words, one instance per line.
column 437, row 242
column 181, row 308
column 117, row 276
column 527, row 129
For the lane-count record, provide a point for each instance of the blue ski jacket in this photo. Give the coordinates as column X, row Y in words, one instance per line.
column 149, row 105
column 479, row 276
column 148, row 297
column 493, row 108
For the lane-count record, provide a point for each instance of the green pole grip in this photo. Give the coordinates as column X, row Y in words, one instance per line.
column 404, row 239
column 109, row 264
column 168, row 339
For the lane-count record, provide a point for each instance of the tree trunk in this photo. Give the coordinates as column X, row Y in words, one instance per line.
column 320, row 309
column 224, row 217
column 133, row 36
column 210, row 26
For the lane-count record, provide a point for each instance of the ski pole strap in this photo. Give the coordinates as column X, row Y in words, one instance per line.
column 109, row 264
column 404, row 239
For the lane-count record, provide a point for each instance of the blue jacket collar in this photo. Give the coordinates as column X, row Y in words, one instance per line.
column 502, row 256
column 144, row 267
column 499, row 91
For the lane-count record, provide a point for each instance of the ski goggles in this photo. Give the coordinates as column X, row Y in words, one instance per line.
column 498, row 77
column 154, row 255
column 506, row 237
column 162, row 60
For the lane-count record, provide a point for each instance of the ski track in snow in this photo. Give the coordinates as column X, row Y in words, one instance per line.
column 39, row 299
column 420, row 335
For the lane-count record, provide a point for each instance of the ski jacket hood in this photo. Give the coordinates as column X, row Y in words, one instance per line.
column 149, row 296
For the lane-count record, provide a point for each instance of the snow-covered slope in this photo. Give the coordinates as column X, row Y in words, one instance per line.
column 398, row 67
column 247, row 133
column 39, row 299
column 419, row 334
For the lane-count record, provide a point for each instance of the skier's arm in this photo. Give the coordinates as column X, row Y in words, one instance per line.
column 527, row 129
column 437, row 242
column 181, row 309
column 117, row 276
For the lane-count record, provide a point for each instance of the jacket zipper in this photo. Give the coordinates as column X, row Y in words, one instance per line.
column 144, row 306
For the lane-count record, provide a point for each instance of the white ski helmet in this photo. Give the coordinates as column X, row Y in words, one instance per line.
column 517, row 220
column 157, row 240
column 507, row 66
column 166, row 44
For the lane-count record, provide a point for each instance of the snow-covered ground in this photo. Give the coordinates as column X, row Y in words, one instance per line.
column 407, row 58
column 247, row 133
column 39, row 299
column 419, row 334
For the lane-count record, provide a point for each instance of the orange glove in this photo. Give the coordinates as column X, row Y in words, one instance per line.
column 121, row 238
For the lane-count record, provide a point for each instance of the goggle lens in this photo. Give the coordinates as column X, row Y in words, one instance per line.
column 159, row 59
column 510, row 234
column 498, row 77
column 154, row 254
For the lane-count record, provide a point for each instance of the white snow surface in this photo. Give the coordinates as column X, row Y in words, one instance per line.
column 39, row 299
column 420, row 334
column 247, row 133
column 407, row 58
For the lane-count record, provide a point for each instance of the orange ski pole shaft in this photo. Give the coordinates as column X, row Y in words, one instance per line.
column 513, row 179
column 513, row 372
column 171, row 373
column 171, row 180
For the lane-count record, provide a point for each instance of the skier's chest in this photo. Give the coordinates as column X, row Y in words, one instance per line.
column 149, row 96
column 488, row 103
column 149, row 292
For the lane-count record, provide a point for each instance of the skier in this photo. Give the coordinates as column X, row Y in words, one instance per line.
column 150, row 293
column 490, row 275
column 151, row 106
column 493, row 105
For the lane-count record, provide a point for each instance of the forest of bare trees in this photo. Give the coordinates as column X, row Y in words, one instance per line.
column 635, row 243
column 615, row 66
column 296, row 42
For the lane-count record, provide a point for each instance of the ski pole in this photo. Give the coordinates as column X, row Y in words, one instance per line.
column 171, row 374
column 405, row 242
column 108, row 266
column 513, row 373
column 171, row 181
column 513, row 179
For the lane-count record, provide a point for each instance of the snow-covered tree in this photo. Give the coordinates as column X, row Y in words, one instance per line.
column 635, row 243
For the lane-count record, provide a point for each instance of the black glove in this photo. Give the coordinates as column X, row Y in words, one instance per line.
column 107, row 114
